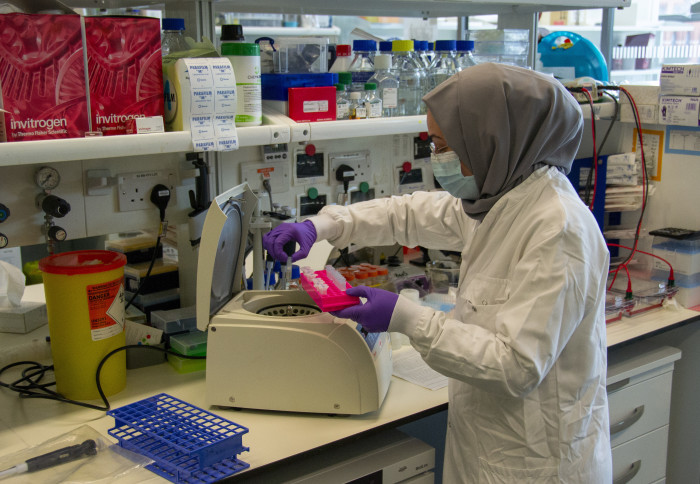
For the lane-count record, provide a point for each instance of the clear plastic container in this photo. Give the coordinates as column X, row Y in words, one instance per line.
column 362, row 66
column 373, row 104
column 444, row 64
column 301, row 55
column 507, row 46
column 387, row 84
column 173, row 37
column 410, row 75
column 342, row 102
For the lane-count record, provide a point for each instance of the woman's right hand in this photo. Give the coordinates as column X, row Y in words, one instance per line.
column 303, row 233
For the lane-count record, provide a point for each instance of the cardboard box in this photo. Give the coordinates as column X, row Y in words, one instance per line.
column 312, row 103
column 679, row 110
column 647, row 100
column 125, row 69
column 42, row 80
column 680, row 79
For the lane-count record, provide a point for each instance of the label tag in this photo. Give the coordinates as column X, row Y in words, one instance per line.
column 106, row 309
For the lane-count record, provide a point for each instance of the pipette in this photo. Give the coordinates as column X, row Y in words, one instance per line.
column 51, row 459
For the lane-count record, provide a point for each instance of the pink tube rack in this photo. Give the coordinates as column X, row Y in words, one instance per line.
column 334, row 298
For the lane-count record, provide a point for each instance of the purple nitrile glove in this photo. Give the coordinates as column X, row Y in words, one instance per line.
column 375, row 314
column 303, row 233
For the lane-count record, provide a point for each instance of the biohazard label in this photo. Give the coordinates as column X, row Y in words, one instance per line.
column 106, row 308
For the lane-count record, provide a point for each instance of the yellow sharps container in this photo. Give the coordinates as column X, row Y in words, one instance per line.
column 85, row 305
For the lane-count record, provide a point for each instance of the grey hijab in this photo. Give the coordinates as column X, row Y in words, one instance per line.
column 504, row 122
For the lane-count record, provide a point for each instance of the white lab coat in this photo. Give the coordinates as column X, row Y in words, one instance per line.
column 526, row 354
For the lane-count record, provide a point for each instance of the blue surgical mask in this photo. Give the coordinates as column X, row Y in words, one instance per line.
column 448, row 172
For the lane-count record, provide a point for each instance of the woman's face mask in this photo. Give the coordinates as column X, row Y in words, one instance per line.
column 448, row 172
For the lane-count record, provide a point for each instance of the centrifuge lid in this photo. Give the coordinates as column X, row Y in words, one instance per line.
column 222, row 251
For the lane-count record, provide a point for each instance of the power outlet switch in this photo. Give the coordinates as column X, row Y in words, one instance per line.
column 135, row 188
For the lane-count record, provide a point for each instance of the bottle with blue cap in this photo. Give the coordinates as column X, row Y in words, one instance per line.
column 173, row 37
column 465, row 54
column 362, row 66
column 444, row 64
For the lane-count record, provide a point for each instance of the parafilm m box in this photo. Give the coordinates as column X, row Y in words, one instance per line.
column 42, row 77
column 125, row 71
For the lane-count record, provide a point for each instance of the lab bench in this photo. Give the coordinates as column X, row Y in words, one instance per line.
column 277, row 438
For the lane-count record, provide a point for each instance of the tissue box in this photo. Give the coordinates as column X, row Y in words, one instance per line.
column 23, row 319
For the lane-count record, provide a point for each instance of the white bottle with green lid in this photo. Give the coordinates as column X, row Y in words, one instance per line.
column 245, row 59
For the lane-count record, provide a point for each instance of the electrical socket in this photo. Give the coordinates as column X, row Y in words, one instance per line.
column 135, row 188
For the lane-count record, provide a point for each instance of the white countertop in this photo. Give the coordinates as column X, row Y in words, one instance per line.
column 272, row 436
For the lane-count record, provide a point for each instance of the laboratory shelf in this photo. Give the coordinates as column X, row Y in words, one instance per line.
column 355, row 128
column 410, row 8
column 282, row 130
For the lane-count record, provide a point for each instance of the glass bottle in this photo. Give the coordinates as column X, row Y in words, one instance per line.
column 342, row 102
column 444, row 64
column 173, row 38
column 423, row 58
column 373, row 103
column 387, row 84
column 357, row 106
column 409, row 73
column 362, row 66
column 465, row 54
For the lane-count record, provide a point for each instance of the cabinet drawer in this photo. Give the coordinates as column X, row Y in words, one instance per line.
column 641, row 408
column 641, row 460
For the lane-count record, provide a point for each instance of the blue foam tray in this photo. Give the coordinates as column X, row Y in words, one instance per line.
column 187, row 443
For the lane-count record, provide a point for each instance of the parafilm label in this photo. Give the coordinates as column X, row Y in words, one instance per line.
column 106, row 309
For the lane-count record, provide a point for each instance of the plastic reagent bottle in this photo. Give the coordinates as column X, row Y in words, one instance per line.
column 465, row 54
column 362, row 66
column 341, row 102
column 444, row 64
column 245, row 59
column 387, row 84
column 373, row 103
column 406, row 67
column 343, row 59
column 173, row 38
column 232, row 33
column 357, row 106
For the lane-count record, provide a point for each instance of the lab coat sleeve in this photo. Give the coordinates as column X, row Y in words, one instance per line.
column 513, row 353
column 434, row 220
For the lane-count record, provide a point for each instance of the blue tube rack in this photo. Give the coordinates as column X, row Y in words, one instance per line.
column 188, row 444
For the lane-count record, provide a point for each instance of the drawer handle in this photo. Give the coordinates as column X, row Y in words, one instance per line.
column 628, row 421
column 629, row 475
column 613, row 387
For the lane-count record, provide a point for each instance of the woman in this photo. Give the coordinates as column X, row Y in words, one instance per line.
column 526, row 354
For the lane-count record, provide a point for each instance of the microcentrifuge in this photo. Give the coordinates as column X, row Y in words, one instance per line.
column 276, row 350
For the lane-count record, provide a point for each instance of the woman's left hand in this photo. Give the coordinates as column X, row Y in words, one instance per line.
column 375, row 314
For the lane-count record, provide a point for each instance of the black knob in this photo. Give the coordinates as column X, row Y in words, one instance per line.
column 3, row 241
column 57, row 233
column 4, row 213
column 55, row 206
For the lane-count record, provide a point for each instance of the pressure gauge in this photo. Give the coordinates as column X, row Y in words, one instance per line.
column 47, row 178
column 57, row 233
